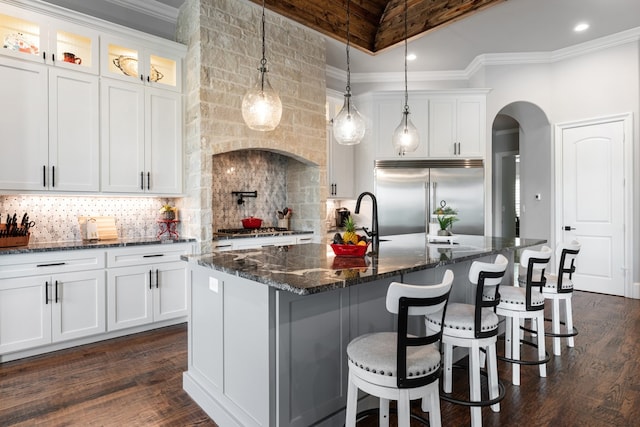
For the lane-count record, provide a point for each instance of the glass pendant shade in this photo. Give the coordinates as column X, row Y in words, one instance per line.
column 348, row 125
column 405, row 137
column 261, row 105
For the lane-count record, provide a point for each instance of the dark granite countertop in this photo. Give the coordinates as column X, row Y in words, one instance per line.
column 312, row 268
column 217, row 236
column 85, row 244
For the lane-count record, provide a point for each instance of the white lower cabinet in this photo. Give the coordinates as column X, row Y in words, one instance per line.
column 146, row 284
column 50, row 308
column 148, row 293
column 55, row 300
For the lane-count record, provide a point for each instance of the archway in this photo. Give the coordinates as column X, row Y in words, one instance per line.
column 522, row 129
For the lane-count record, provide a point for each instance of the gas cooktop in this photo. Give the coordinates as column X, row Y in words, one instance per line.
column 249, row 231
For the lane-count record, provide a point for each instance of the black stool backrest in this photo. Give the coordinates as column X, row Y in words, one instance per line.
column 568, row 254
column 535, row 262
column 414, row 300
column 487, row 277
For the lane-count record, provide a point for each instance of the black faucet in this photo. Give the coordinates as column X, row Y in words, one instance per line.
column 374, row 219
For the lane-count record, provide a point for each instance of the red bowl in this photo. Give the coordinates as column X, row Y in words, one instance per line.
column 349, row 250
column 251, row 222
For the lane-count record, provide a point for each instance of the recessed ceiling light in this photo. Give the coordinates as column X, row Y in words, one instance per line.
column 581, row 27
column 411, row 57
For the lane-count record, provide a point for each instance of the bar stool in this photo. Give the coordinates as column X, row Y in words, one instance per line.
column 520, row 303
column 560, row 288
column 399, row 366
column 474, row 326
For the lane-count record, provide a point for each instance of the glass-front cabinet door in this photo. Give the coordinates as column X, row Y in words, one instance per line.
column 126, row 61
column 28, row 36
column 75, row 48
column 22, row 36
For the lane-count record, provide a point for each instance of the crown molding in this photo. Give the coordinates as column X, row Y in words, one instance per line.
column 152, row 8
column 490, row 59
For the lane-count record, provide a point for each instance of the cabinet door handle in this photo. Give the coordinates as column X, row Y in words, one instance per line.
column 142, row 180
column 150, row 280
column 44, row 56
column 53, row 176
column 148, row 180
column 56, row 292
column 141, row 78
column 46, row 292
column 53, row 57
column 148, row 79
column 44, row 175
column 157, row 279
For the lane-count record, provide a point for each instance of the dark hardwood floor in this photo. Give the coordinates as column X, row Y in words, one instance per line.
column 137, row 380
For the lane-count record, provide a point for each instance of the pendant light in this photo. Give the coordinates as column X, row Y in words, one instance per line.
column 348, row 125
column 261, row 106
column 405, row 137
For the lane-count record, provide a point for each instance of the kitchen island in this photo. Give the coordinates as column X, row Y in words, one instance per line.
column 269, row 328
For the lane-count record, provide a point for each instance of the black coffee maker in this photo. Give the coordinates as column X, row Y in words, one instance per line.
column 341, row 216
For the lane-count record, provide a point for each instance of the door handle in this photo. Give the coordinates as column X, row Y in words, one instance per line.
column 56, row 292
column 568, row 228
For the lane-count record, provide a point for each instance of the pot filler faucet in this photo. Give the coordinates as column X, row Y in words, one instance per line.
column 374, row 219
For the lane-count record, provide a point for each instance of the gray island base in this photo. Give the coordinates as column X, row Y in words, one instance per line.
column 268, row 328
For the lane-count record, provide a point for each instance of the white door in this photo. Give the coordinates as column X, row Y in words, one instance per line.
column 163, row 149
column 122, row 142
column 23, row 123
column 74, row 131
column 593, row 204
column 170, row 291
column 129, row 297
column 78, row 305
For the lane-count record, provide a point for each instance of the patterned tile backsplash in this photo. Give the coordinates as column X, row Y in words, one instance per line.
column 56, row 217
column 248, row 170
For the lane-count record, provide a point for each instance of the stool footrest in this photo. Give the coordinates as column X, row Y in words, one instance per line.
column 447, row 397
column 565, row 335
column 547, row 357
column 376, row 411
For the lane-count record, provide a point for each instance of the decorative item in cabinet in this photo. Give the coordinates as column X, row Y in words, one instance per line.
column 19, row 35
column 132, row 62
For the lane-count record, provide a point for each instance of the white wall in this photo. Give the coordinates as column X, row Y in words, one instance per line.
column 574, row 84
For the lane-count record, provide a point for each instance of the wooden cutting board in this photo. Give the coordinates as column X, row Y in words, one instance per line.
column 106, row 226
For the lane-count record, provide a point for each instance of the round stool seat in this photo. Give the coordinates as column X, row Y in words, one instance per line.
column 377, row 353
column 551, row 286
column 460, row 320
column 514, row 298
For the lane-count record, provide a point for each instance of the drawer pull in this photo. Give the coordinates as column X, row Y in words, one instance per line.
column 223, row 246
column 53, row 264
column 152, row 256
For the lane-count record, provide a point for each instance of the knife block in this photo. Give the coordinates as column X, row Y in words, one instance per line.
column 12, row 241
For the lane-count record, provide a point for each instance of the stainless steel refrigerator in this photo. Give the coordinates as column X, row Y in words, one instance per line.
column 409, row 191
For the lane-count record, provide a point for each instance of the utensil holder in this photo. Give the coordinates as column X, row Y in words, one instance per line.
column 283, row 223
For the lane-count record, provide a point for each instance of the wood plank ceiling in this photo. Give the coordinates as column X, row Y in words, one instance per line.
column 375, row 24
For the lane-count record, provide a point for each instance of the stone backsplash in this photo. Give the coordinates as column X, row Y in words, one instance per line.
column 56, row 217
column 248, row 170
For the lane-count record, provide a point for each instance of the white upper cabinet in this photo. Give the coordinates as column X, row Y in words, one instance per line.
column 388, row 110
column 340, row 158
column 30, row 36
column 457, row 126
column 74, row 131
column 128, row 61
column 23, row 121
column 141, row 139
column 51, row 132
